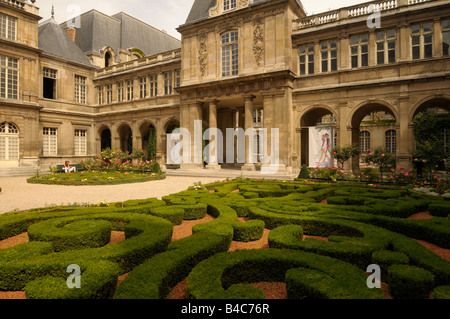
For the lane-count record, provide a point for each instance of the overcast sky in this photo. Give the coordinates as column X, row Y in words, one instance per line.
column 161, row 14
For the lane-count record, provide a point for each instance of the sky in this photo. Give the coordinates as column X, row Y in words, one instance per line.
column 162, row 14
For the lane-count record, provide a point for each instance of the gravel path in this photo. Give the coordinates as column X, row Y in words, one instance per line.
column 17, row 194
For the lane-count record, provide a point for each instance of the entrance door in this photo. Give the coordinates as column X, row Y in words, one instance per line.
column 9, row 145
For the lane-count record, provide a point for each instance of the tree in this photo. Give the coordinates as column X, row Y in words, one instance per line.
column 428, row 140
column 151, row 148
column 343, row 154
column 380, row 157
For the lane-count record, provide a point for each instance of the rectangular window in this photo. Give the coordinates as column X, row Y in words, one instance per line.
column 177, row 78
column 386, row 46
column 49, row 83
column 229, row 4
column 230, row 53
column 142, row 88
column 9, row 78
column 328, row 52
column 100, row 95
column 109, row 90
column 306, row 56
column 80, row 142
column 7, row 27
column 153, row 85
column 359, row 50
column 422, row 40
column 257, row 117
column 120, row 92
column 50, row 143
column 445, row 25
column 80, row 89
column 168, row 84
column 130, row 90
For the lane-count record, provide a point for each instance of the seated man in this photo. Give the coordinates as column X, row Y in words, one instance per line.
column 67, row 168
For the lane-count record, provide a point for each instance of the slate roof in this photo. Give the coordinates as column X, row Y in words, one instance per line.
column 120, row 31
column 200, row 9
column 54, row 41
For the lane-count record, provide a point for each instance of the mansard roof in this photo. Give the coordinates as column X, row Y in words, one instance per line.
column 55, row 42
column 120, row 31
column 200, row 9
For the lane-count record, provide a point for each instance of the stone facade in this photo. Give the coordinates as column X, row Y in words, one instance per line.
column 240, row 64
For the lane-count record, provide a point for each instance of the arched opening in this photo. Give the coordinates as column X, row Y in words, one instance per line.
column 108, row 59
column 318, row 137
column 126, row 138
column 149, row 137
column 373, row 126
column 105, row 139
column 431, row 131
column 9, row 144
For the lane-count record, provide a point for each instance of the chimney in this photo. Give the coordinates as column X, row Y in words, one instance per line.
column 71, row 31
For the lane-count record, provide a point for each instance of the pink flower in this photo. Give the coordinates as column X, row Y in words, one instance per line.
column 382, row 155
column 424, row 161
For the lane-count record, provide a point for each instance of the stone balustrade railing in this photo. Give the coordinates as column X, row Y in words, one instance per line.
column 366, row 8
column 149, row 60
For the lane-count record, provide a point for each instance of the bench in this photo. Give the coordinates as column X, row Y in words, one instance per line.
column 79, row 168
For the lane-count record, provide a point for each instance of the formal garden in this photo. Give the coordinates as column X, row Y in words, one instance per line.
column 236, row 239
column 109, row 168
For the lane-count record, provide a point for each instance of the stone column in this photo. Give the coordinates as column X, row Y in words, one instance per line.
column 189, row 115
column 213, row 164
column 249, row 163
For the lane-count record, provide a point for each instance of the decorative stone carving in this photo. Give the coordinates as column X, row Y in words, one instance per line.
column 258, row 40
column 203, row 53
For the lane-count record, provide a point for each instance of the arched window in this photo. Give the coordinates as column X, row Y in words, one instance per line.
column 230, row 53
column 364, row 141
column 107, row 59
column 391, row 141
column 9, row 142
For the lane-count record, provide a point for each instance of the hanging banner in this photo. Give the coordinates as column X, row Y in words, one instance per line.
column 174, row 144
column 320, row 145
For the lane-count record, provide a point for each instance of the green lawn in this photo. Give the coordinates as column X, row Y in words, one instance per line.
column 95, row 178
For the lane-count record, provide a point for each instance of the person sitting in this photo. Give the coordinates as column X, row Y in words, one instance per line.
column 67, row 168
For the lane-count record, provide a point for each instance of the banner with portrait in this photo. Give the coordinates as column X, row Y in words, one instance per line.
column 321, row 141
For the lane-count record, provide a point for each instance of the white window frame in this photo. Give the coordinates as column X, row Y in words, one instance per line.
column 130, row 90
column 80, row 89
column 109, row 94
column 168, row 83
column 306, row 59
column 142, row 87
column 100, row 95
column 8, row 27
column 386, row 42
column 50, row 141
column 230, row 53
column 329, row 56
column 365, row 140
column 80, row 142
column 229, row 5
column 120, row 91
column 9, row 78
column 359, row 50
column 153, row 85
column 9, row 142
column 391, row 141
column 420, row 40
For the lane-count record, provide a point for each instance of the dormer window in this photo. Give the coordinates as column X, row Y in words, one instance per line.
column 229, row 5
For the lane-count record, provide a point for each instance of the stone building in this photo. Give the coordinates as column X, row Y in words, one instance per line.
column 69, row 90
